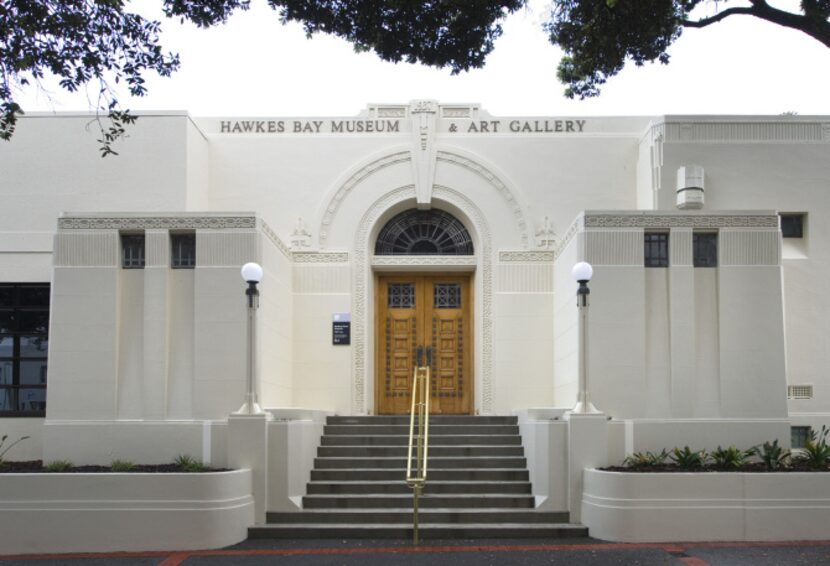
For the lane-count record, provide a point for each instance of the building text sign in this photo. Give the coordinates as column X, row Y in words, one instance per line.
column 395, row 126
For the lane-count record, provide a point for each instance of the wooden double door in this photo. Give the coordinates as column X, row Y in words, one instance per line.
column 424, row 311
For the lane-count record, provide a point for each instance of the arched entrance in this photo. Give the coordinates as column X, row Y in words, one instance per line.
column 423, row 310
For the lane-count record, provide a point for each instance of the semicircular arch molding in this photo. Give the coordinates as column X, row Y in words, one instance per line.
column 344, row 186
column 511, row 196
column 448, row 155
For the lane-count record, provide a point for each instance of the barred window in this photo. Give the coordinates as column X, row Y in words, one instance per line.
column 24, row 345
column 183, row 252
column 705, row 250
column 132, row 251
column 656, row 249
column 799, row 436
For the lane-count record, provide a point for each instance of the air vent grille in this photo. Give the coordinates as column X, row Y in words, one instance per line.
column 799, row 392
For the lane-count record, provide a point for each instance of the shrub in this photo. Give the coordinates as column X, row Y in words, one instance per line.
column 187, row 463
column 816, row 452
column 730, row 458
column 122, row 466
column 646, row 459
column 58, row 466
column 9, row 447
column 688, row 459
column 773, row 457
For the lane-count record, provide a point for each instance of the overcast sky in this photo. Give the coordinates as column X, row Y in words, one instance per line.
column 254, row 66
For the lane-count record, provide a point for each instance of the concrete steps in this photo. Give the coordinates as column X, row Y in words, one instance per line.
column 477, row 484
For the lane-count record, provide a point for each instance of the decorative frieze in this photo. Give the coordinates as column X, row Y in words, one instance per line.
column 424, row 261
column 783, row 131
column 156, row 222
column 650, row 220
column 526, row 256
column 320, row 257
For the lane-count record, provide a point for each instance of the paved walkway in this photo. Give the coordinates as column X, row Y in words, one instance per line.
column 585, row 552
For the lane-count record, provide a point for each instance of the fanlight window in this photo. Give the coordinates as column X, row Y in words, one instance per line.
column 424, row 232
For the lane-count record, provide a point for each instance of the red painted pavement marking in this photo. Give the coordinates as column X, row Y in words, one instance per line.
column 182, row 555
column 174, row 559
column 692, row 561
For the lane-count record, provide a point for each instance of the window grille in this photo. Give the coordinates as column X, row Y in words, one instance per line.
column 401, row 296
column 656, row 249
column 799, row 436
column 183, row 253
column 799, row 392
column 446, row 296
column 132, row 251
column 705, row 250
column 792, row 225
column 424, row 232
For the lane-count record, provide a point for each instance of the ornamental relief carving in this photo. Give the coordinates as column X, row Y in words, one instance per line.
column 271, row 235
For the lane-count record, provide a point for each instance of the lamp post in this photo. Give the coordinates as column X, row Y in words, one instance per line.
column 582, row 273
column 252, row 275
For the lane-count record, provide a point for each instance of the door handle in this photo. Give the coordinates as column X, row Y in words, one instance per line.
column 429, row 356
column 419, row 355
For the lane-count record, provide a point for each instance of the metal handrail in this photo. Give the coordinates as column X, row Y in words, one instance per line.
column 417, row 478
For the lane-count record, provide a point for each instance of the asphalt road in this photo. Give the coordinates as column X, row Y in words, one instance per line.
column 584, row 552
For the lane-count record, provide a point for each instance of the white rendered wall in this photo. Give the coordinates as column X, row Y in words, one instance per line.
column 275, row 318
column 680, row 342
column 775, row 163
column 322, row 371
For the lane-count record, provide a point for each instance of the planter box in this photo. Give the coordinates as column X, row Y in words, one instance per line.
column 42, row 513
column 710, row 506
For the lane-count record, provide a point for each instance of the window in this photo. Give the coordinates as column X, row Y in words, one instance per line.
column 705, row 250
column 656, row 249
column 183, row 252
column 424, row 232
column 792, row 225
column 799, row 436
column 24, row 343
column 132, row 251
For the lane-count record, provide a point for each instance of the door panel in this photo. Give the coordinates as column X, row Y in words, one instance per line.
column 424, row 311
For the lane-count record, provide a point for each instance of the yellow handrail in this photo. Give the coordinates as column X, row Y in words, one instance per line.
column 417, row 478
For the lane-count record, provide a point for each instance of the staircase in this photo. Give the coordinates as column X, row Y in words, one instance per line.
column 477, row 484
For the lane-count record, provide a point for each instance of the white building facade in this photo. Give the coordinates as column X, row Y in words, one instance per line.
column 422, row 225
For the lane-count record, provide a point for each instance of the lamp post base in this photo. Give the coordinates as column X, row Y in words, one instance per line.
column 250, row 408
column 586, row 408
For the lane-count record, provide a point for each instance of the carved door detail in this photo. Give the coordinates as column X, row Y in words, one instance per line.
column 429, row 311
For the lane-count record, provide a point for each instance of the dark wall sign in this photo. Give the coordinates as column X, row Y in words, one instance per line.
column 341, row 329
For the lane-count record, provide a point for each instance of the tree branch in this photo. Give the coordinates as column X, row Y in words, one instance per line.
column 717, row 17
column 816, row 26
